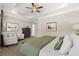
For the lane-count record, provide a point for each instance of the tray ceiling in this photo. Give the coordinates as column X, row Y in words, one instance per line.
column 19, row 10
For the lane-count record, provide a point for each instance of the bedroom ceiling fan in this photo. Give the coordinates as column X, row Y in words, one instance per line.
column 35, row 8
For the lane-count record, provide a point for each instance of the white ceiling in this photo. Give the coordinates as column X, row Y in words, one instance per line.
column 18, row 9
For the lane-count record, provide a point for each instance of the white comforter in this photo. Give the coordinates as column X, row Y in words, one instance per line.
column 48, row 50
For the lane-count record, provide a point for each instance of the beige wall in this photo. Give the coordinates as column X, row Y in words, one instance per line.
column 64, row 24
column 21, row 23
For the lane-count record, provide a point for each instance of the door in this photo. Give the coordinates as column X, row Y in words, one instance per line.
column 33, row 30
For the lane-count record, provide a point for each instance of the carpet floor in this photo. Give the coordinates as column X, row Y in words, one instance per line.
column 13, row 49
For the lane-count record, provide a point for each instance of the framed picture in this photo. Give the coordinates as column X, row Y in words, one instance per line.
column 76, row 28
column 51, row 26
column 12, row 26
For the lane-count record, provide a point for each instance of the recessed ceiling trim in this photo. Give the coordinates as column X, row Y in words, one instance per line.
column 59, row 13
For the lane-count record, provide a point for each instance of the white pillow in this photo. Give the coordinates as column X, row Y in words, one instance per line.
column 75, row 39
column 66, row 46
column 74, row 51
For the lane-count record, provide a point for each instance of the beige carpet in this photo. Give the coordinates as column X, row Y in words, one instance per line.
column 13, row 49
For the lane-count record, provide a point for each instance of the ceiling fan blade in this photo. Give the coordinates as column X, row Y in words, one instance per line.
column 33, row 4
column 32, row 10
column 38, row 11
column 39, row 7
column 28, row 7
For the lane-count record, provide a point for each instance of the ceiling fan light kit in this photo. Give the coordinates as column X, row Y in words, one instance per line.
column 34, row 9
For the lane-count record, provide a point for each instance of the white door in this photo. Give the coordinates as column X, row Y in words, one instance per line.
column 33, row 30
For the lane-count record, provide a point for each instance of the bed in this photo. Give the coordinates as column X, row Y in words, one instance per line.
column 70, row 47
column 47, row 46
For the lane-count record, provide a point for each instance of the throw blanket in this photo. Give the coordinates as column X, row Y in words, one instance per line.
column 32, row 47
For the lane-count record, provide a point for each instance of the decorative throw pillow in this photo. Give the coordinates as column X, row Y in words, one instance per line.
column 66, row 46
column 58, row 44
